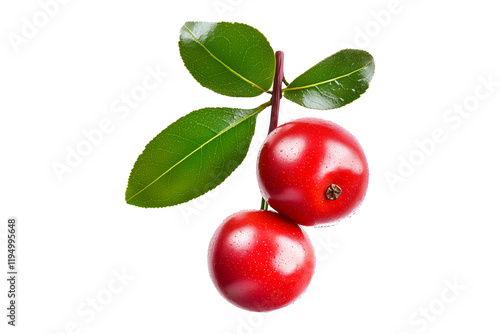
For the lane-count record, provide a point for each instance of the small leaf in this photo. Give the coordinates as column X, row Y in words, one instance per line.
column 231, row 59
column 333, row 82
column 191, row 156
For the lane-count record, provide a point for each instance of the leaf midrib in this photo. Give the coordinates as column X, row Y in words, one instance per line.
column 287, row 89
column 222, row 63
column 255, row 112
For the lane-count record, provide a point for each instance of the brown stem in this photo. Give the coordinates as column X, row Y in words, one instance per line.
column 279, row 77
column 277, row 86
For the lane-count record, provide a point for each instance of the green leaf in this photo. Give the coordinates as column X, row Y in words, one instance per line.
column 231, row 59
column 333, row 82
column 191, row 156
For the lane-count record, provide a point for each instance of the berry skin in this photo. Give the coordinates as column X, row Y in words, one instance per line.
column 260, row 261
column 312, row 171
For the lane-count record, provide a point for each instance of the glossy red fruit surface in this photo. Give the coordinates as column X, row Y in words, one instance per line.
column 312, row 171
column 260, row 260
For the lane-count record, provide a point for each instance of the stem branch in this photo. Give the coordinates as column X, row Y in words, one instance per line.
column 279, row 78
column 276, row 95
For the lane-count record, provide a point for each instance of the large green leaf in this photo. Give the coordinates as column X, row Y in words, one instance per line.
column 333, row 82
column 191, row 156
column 232, row 59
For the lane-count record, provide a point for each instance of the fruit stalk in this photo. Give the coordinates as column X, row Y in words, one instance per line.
column 276, row 95
column 279, row 78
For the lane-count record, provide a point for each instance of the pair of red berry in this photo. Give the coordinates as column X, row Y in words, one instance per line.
column 312, row 172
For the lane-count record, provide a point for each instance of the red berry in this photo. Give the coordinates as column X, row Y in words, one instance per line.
column 260, row 260
column 312, row 171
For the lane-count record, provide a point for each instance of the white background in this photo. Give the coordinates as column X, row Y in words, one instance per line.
column 378, row 272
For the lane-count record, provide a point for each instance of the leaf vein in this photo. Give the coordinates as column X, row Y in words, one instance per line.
column 326, row 81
